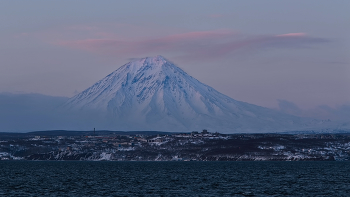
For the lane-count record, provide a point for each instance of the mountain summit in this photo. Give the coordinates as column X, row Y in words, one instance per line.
column 153, row 94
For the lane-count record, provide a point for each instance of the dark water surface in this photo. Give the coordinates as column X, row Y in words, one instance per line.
column 49, row 178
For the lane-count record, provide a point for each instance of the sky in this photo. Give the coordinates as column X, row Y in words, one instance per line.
column 270, row 53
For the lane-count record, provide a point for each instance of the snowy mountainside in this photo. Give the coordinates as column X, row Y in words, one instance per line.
column 154, row 94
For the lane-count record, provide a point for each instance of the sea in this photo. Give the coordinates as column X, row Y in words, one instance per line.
column 85, row 178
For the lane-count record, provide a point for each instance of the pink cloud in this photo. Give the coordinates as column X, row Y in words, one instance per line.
column 172, row 42
column 198, row 35
column 292, row 35
column 191, row 45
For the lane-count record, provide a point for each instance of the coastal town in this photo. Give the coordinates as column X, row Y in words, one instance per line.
column 162, row 146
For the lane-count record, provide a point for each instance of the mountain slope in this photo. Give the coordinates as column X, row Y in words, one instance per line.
column 154, row 94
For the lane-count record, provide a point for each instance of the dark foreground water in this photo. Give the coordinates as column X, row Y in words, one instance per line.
column 43, row 178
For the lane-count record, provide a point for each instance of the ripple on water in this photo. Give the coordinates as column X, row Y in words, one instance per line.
column 47, row 178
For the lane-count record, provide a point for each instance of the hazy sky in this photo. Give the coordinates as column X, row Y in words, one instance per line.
column 253, row 51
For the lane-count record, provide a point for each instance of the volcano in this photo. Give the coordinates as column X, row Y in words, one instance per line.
column 154, row 94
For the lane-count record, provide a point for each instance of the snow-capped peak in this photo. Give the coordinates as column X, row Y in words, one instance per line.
column 152, row 63
column 153, row 94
